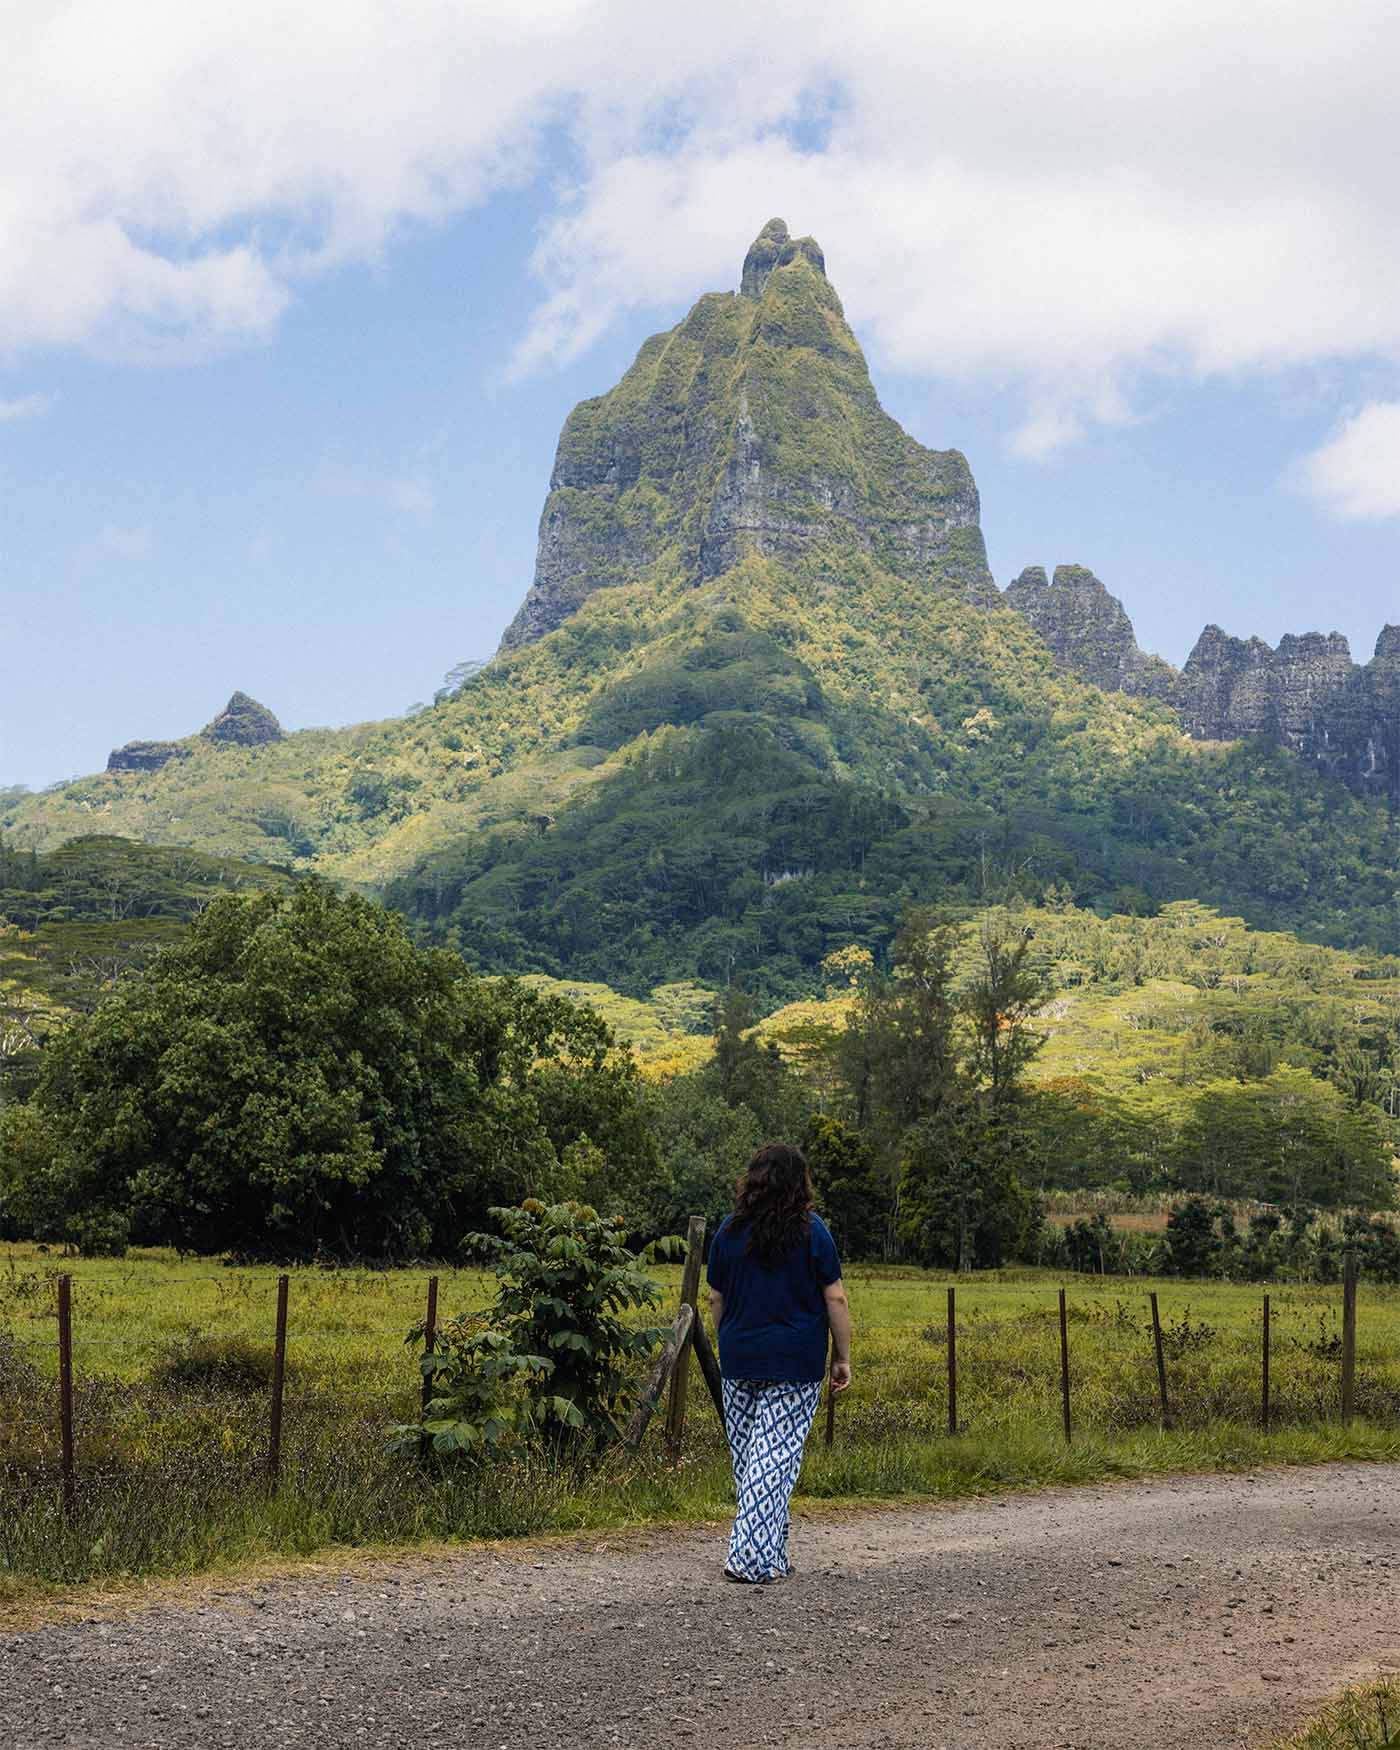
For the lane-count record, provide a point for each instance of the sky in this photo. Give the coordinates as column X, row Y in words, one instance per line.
column 293, row 302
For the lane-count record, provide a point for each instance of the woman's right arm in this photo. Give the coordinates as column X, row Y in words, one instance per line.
column 838, row 1315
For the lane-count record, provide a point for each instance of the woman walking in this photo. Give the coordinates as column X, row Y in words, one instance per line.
column 775, row 1292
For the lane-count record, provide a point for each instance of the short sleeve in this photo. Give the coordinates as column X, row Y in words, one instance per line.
column 716, row 1271
column 825, row 1259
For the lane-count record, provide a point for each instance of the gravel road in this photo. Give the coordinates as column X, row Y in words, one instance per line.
column 1202, row 1612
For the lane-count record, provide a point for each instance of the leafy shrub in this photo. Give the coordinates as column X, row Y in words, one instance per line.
column 567, row 1281
column 228, row 1363
column 556, row 1353
column 100, row 1233
column 485, row 1393
column 1182, row 1337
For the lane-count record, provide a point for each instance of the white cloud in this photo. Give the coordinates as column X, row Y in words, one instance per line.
column 25, row 407
column 1356, row 473
column 1067, row 199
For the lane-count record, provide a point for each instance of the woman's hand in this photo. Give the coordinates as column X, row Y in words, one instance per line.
column 840, row 1375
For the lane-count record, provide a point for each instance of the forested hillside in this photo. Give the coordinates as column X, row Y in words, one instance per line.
column 77, row 920
column 762, row 695
column 769, row 774
column 1179, row 1052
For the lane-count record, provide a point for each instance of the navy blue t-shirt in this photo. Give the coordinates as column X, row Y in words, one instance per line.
column 774, row 1324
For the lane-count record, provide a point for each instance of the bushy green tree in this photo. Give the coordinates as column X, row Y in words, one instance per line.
column 297, row 1079
column 963, row 1205
column 851, row 1194
column 1194, row 1244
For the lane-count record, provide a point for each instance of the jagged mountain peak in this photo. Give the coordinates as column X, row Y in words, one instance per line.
column 244, row 722
column 774, row 248
column 1088, row 629
column 1305, row 693
column 752, row 428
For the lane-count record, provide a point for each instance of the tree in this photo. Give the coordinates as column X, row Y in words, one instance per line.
column 962, row 1203
column 852, row 1196
column 898, row 1055
column 298, row 1079
column 1006, row 989
column 703, row 1143
column 1193, row 1244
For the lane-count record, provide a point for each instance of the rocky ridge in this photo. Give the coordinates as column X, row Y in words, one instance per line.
column 1089, row 631
column 243, row 722
column 145, row 756
column 1307, row 694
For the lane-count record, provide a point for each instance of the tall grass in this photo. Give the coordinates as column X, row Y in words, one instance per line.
column 1365, row 1719
column 172, row 1364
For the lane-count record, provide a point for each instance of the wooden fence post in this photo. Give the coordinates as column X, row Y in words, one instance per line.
column 709, row 1367
column 1349, row 1335
column 65, row 1392
column 1161, row 1363
column 680, row 1373
column 952, row 1360
column 429, row 1343
column 1264, row 1401
column 656, row 1380
column 279, row 1375
column 1064, row 1365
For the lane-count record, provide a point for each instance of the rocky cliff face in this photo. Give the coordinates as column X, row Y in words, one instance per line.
column 1089, row 631
column 1307, row 694
column 752, row 427
column 145, row 756
column 243, row 722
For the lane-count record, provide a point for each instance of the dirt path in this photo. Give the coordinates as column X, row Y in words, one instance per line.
column 1203, row 1612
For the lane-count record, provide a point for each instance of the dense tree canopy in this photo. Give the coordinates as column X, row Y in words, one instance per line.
column 297, row 1078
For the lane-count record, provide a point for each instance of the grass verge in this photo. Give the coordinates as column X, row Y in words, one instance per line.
column 1363, row 1719
column 183, row 1520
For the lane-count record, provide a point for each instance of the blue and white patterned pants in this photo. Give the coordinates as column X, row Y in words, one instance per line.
column 767, row 1421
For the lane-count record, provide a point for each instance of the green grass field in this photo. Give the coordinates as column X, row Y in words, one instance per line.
column 170, row 1453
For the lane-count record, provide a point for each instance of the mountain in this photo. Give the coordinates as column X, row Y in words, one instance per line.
column 750, row 429
column 761, row 691
column 1307, row 695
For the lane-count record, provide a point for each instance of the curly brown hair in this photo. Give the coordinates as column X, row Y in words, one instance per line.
column 773, row 1200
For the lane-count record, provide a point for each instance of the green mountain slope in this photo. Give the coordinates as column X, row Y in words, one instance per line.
column 762, row 690
column 75, row 921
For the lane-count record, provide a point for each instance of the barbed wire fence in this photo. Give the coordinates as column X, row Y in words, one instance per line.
column 687, row 1338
